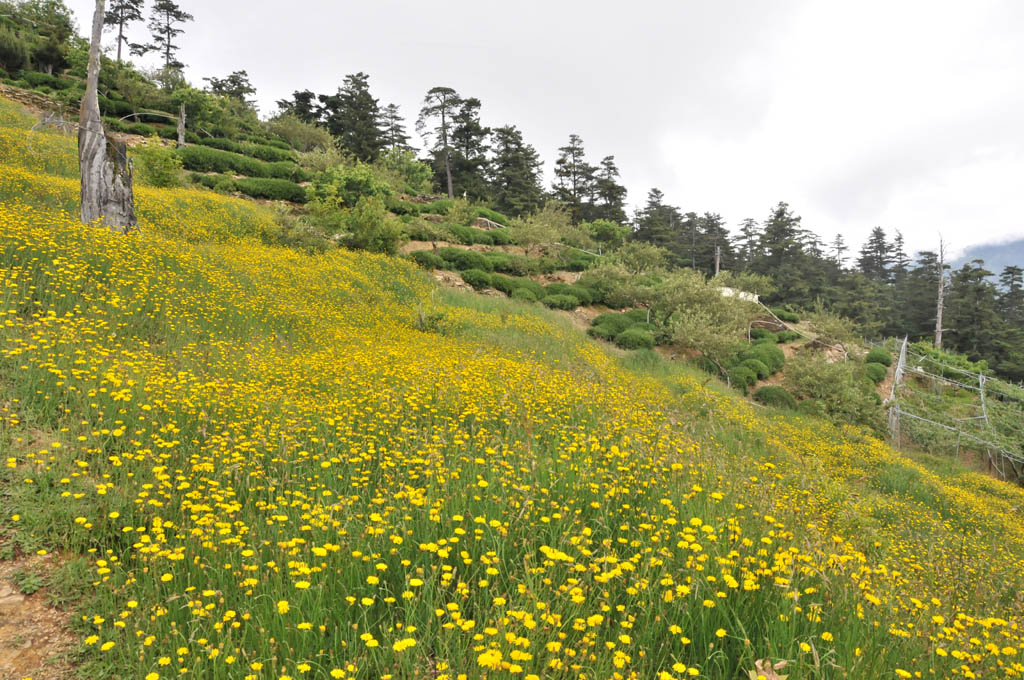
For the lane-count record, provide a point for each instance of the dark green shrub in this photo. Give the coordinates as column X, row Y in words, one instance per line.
column 786, row 315
column 492, row 215
column 263, row 152
column 524, row 294
column 638, row 315
column 207, row 159
column 875, row 372
column 787, row 336
column 771, row 340
column 506, row 284
column 773, row 395
column 760, row 333
column 613, row 322
column 769, row 354
column 634, row 338
column 644, row 326
column 477, row 278
column 567, row 302
column 465, row 259
column 500, row 261
column 812, row 407
column 581, row 293
column 741, row 378
column 272, row 189
column 142, row 129
column 602, row 332
column 427, row 259
column 879, row 355
column 440, row 207
column 36, row 79
column 757, row 367
column 13, row 50
column 470, row 235
column 517, row 265
column 500, row 237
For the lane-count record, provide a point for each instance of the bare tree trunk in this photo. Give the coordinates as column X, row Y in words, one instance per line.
column 106, row 174
column 181, row 125
column 942, row 294
column 448, row 171
column 718, row 260
column 120, row 39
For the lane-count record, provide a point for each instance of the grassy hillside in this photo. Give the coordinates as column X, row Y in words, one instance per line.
column 257, row 463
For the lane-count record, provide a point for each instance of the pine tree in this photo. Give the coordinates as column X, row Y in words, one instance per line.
column 470, row 148
column 394, row 129
column 874, row 257
column 610, row 195
column 303, row 105
column 234, row 86
column 782, row 256
column 574, row 178
column 1011, row 299
column 121, row 13
column 975, row 325
column 164, row 19
column 515, row 173
column 839, row 249
column 746, row 242
column 439, row 108
column 353, row 118
column 922, row 282
column 661, row 225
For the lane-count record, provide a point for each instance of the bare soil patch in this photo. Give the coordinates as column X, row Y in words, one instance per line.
column 35, row 639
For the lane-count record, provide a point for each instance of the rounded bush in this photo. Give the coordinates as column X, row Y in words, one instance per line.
column 787, row 336
column 769, row 354
column 786, row 315
column 741, row 377
column 272, row 189
column 773, row 395
column 428, row 260
column 524, row 294
column 566, row 302
column 757, row 367
column 879, row 355
column 759, row 333
column 635, row 338
column 769, row 340
column 506, row 284
column 613, row 322
column 477, row 278
column 876, row 372
column 581, row 293
column 500, row 237
column 602, row 332
column 465, row 259
column 643, row 326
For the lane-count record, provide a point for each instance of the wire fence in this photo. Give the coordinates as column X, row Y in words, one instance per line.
column 1006, row 462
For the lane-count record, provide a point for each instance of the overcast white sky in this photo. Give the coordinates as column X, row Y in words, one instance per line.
column 908, row 114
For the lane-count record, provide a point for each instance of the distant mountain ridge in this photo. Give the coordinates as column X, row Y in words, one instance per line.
column 996, row 255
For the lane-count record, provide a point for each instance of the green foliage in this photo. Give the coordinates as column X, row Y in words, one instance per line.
column 477, row 278
column 465, row 259
column 460, row 212
column 543, row 228
column 299, row 134
column 637, row 257
column 371, row 228
column 879, row 355
column 470, row 236
column 786, row 315
column 875, row 372
column 28, row 581
column 400, row 170
column 612, row 286
column 581, row 293
column 741, row 378
column 492, row 215
column 207, row 159
column 156, row 164
column 602, row 332
column 344, row 185
column 610, row 235
column 614, row 323
column 13, row 50
column 272, row 189
column 774, row 395
column 769, row 354
column 762, row 333
column 262, row 152
column 832, row 328
column 758, row 367
column 635, row 338
column 560, row 301
column 419, row 229
column 438, row 207
column 517, row 265
column 844, row 394
column 427, row 259
column 784, row 337
column 501, row 237
column 524, row 294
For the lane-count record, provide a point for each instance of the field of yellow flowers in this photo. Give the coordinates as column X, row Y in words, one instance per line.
column 264, row 464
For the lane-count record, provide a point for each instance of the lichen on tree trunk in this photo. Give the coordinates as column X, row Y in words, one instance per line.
column 106, row 173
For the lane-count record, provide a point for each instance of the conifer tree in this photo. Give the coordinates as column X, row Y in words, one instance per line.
column 515, row 173
column 609, row 193
column 121, row 13
column 395, row 137
column 746, row 241
column 574, row 178
column 303, row 105
column 839, row 249
column 439, row 108
column 164, row 21
column 353, row 118
column 874, row 257
column 470, row 147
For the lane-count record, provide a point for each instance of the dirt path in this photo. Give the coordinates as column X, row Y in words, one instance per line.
column 35, row 638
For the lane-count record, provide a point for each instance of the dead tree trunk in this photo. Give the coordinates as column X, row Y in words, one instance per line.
column 106, row 173
column 181, row 126
column 942, row 294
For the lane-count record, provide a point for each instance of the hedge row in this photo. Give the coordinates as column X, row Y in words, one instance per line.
column 207, row 159
column 271, row 189
column 263, row 152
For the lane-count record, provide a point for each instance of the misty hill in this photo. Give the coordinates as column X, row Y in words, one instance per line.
column 996, row 255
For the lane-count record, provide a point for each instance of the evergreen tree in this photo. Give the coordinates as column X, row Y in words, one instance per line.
column 974, row 323
column 470, row 148
column 353, row 118
column 515, row 173
column 121, row 13
column 439, row 108
column 782, row 256
column 394, row 129
column 922, row 282
column 303, row 105
column 1011, row 299
column 164, row 19
column 712, row 236
column 746, row 242
column 874, row 257
column 660, row 225
column 839, row 249
column 610, row 195
column 574, row 178
column 235, row 86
